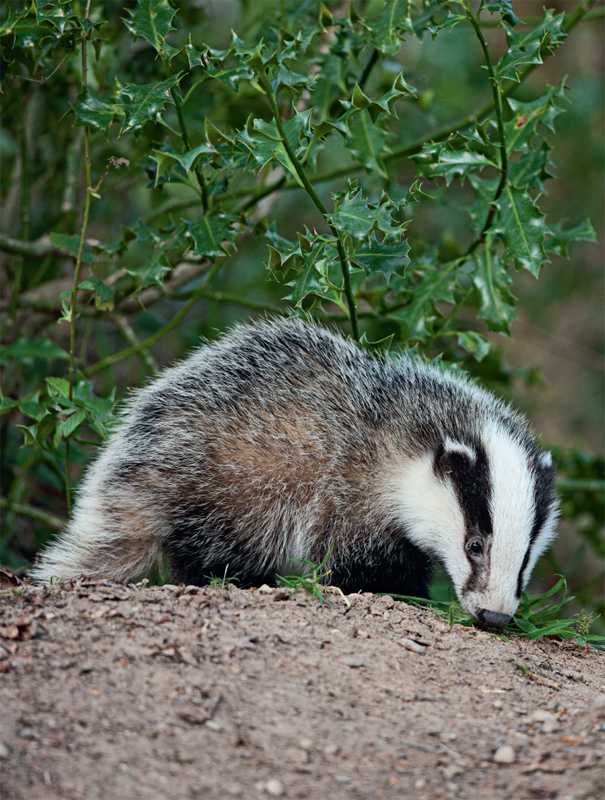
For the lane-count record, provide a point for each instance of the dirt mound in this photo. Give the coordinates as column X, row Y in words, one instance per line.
column 115, row 692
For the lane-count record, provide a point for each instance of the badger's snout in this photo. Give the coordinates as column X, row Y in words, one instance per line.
column 493, row 618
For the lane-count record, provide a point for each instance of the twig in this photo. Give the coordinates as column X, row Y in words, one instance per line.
column 174, row 92
column 497, row 103
column 40, row 248
column 34, row 513
column 151, row 340
column 344, row 262
column 127, row 332
column 74, row 293
column 368, row 69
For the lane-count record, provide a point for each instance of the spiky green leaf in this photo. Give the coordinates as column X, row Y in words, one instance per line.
column 528, row 47
column 142, row 103
column 492, row 281
column 559, row 240
column 72, row 243
column 104, row 294
column 522, row 228
column 151, row 20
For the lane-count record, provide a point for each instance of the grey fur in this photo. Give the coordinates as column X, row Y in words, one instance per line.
column 281, row 440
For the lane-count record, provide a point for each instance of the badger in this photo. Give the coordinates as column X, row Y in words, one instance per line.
column 283, row 441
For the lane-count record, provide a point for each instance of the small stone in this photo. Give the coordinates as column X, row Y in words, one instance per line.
column 170, row 587
column 264, row 589
column 4, row 751
column 504, row 755
column 343, row 779
column 353, row 662
column 409, row 644
column 550, row 725
column 275, row 788
column 451, row 771
column 213, row 725
column 331, row 749
column 306, row 744
column 497, row 704
column 540, row 715
column 420, row 783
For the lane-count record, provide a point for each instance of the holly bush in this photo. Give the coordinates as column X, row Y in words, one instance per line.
column 155, row 166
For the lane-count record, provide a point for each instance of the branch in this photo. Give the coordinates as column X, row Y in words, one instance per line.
column 40, row 248
column 74, row 293
column 127, row 332
column 151, row 340
column 344, row 263
column 497, row 102
column 34, row 513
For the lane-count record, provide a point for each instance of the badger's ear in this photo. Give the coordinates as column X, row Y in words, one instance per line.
column 452, row 456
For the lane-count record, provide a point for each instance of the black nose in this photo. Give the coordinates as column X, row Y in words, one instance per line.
column 493, row 619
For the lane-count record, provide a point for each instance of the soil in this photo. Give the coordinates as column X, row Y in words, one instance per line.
column 181, row 692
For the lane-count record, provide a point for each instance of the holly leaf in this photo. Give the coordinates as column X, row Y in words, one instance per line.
column 385, row 104
column 26, row 351
column 151, row 20
column 388, row 258
column 104, row 295
column 99, row 409
column 142, row 103
column 96, row 112
column 356, row 216
column 369, row 142
column 320, row 273
column 434, row 286
column 504, row 7
column 70, row 426
column 438, row 160
column 492, row 281
column 264, row 143
column 520, row 130
column 167, row 157
column 474, row 343
column 209, row 232
column 153, row 270
column 532, row 169
column 522, row 227
column 57, row 13
column 559, row 240
column 72, row 243
column 387, row 30
column 485, row 191
column 528, row 47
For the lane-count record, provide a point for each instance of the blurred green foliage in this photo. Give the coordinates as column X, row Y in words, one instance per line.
column 379, row 166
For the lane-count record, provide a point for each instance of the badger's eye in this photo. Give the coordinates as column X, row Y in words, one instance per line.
column 476, row 548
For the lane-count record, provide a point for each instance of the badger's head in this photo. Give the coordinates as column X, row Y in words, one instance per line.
column 486, row 508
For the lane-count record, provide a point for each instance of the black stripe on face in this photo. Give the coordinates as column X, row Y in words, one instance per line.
column 544, row 497
column 471, row 481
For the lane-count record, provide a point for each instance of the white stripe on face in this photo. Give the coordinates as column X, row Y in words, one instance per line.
column 512, row 508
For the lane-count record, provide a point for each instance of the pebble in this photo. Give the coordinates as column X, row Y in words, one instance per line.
column 504, row 755
column 275, row 788
column 306, row 744
column 411, row 645
column 264, row 589
column 353, row 662
column 4, row 751
column 343, row 779
column 550, row 725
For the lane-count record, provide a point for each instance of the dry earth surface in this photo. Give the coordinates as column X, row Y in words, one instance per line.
column 181, row 692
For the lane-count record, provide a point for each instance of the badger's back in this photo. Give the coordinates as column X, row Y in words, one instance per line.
column 270, row 445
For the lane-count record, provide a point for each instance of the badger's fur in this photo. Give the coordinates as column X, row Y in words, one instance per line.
column 283, row 440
